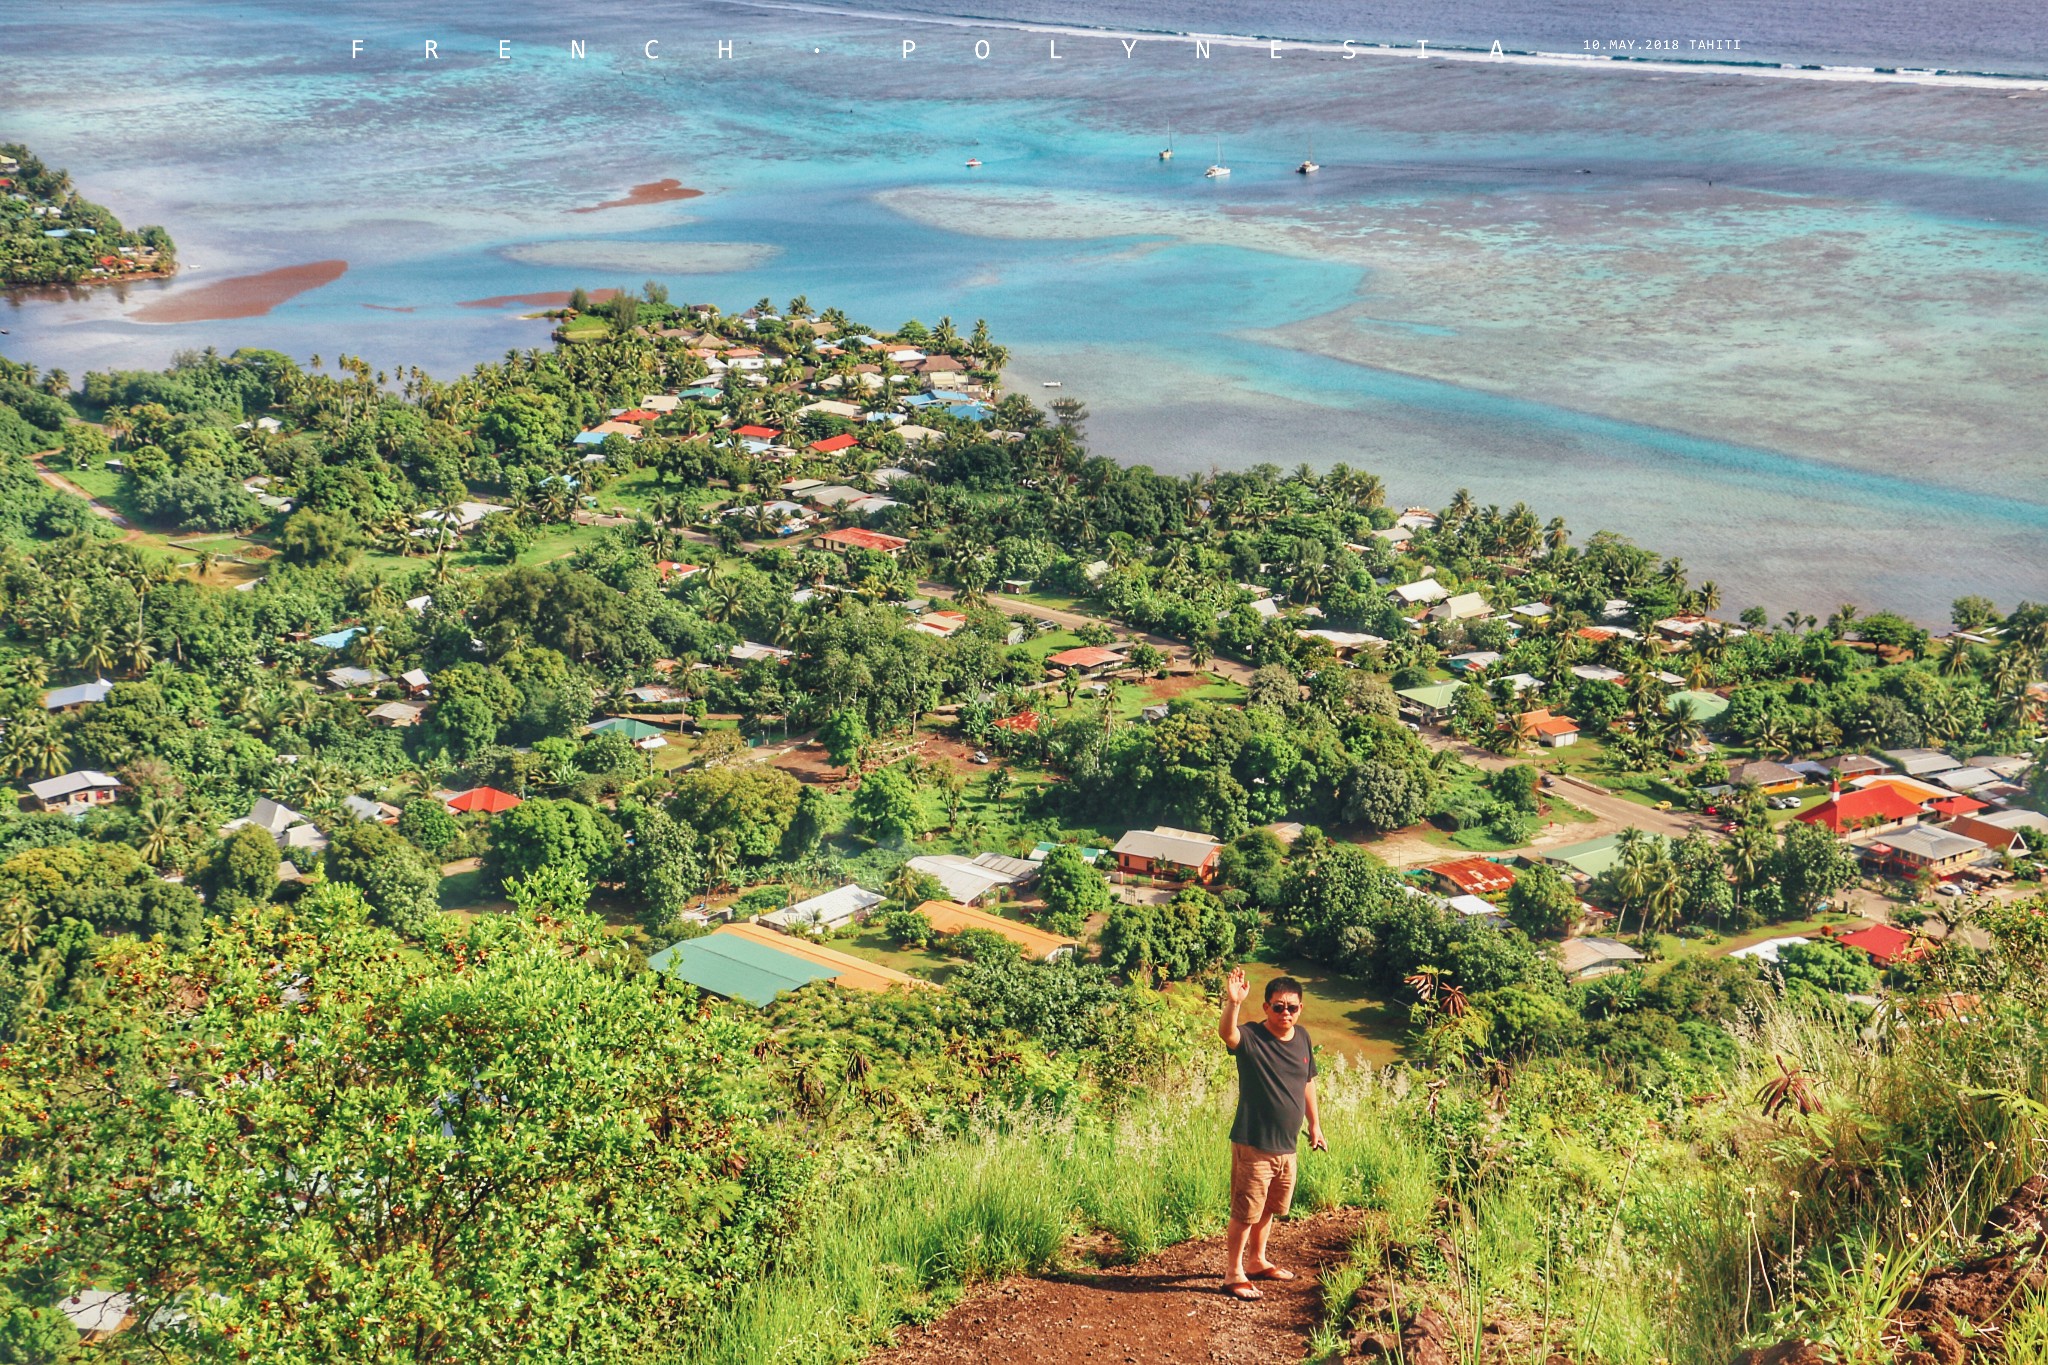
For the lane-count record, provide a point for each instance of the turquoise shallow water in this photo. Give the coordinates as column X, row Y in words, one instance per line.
column 1811, row 378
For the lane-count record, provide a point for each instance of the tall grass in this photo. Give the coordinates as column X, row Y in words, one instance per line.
column 895, row 1240
column 1635, row 1229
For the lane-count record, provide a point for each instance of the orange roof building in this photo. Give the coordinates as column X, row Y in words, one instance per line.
column 950, row 917
column 832, row 445
column 1084, row 657
column 489, row 800
column 1025, row 722
column 854, row 538
column 1887, row 945
column 1878, row 806
column 1473, row 876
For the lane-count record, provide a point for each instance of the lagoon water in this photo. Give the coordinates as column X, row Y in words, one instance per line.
column 1795, row 332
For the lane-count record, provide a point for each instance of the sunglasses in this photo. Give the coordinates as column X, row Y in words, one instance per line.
column 1284, row 1009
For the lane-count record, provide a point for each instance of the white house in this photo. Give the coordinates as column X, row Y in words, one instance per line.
column 824, row 912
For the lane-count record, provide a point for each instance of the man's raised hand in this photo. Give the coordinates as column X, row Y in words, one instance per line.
column 1236, row 986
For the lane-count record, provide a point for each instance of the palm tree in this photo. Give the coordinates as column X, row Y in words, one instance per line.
column 160, row 829
column 17, row 926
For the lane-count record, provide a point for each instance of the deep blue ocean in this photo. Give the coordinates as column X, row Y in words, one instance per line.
column 1791, row 330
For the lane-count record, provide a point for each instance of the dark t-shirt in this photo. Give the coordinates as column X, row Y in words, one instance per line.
column 1272, row 1081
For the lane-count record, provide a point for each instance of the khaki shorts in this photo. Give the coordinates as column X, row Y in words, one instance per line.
column 1261, row 1183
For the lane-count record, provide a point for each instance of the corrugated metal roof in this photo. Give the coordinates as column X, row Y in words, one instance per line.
column 738, row 967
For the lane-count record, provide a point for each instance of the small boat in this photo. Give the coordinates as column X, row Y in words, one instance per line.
column 1310, row 166
column 1219, row 170
column 1049, row 384
column 1167, row 155
column 973, row 161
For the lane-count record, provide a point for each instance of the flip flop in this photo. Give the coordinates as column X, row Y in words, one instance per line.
column 1271, row 1272
column 1244, row 1291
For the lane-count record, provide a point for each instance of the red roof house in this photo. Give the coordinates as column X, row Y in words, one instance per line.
column 489, row 800
column 1472, row 876
column 1023, row 723
column 1952, row 806
column 1887, row 946
column 832, row 445
column 674, row 568
column 758, row 433
column 638, row 415
column 854, row 538
column 1878, row 806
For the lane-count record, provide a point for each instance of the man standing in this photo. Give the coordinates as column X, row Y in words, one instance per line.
column 1276, row 1090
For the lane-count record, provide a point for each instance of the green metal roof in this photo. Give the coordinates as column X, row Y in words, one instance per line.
column 627, row 726
column 1592, row 857
column 737, row 968
column 1705, row 705
column 1436, row 696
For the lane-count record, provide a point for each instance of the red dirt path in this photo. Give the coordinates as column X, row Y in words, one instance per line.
column 1163, row 1311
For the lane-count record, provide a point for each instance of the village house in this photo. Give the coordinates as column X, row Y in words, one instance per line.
column 464, row 516
column 482, row 800
column 1920, row 762
column 1550, row 731
column 1922, row 850
column 744, row 962
column 1088, row 660
column 1466, row 606
column 417, row 682
column 1164, row 851
column 1767, row 777
column 1585, row 958
column 1472, row 876
column 397, row 715
column 856, row 538
column 1343, row 643
column 1430, row 703
column 939, row 624
column 747, row 651
column 1848, row 767
column 77, row 698
column 1887, row 945
column 367, row 810
column 825, row 912
column 2010, row 839
column 969, row 880
column 290, row 829
column 1875, row 808
column 74, row 793
column 1419, row 593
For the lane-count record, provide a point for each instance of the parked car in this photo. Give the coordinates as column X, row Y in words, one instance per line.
column 981, row 756
column 1948, row 889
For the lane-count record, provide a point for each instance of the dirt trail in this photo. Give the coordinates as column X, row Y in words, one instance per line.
column 1166, row 1310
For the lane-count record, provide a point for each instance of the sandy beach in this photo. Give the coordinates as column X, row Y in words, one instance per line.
column 244, row 296
column 653, row 192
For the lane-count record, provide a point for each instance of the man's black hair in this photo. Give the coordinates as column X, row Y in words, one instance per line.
column 1283, row 985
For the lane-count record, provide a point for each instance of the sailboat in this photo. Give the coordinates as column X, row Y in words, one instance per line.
column 1167, row 155
column 974, row 161
column 1219, row 170
column 1310, row 166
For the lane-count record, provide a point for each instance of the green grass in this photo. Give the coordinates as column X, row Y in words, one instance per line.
column 898, row 1245
column 1673, row 947
column 467, row 891
column 1052, row 642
